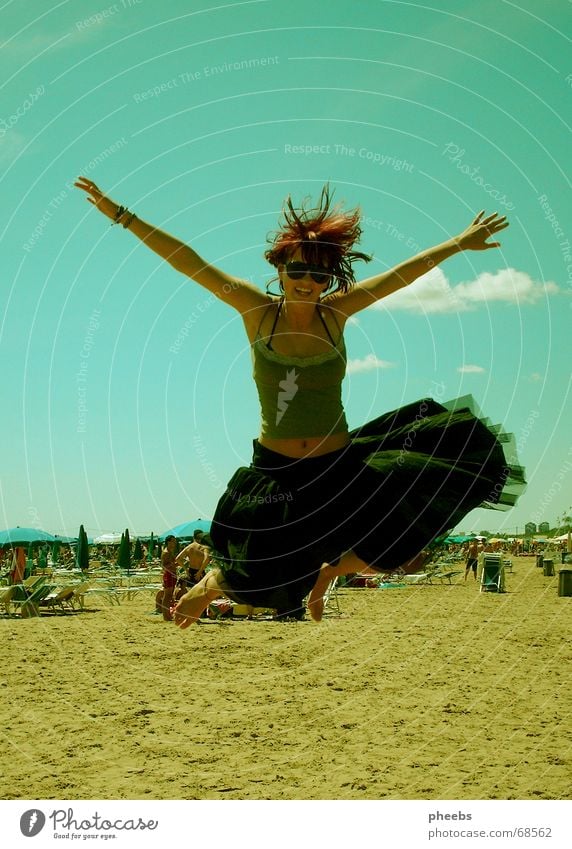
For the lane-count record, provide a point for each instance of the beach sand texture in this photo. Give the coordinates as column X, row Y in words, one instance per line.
column 428, row 692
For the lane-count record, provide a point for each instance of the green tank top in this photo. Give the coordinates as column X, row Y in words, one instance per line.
column 300, row 396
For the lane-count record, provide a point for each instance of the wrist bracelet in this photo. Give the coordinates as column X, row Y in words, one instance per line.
column 121, row 210
column 128, row 221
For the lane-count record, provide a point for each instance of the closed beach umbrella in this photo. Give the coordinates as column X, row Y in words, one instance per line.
column 151, row 547
column 137, row 551
column 18, row 565
column 55, row 551
column 82, row 551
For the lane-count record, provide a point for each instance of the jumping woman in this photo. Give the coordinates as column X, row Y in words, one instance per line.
column 319, row 501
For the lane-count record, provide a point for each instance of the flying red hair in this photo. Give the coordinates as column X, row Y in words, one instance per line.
column 325, row 235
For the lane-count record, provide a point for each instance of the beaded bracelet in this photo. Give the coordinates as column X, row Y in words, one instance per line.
column 121, row 210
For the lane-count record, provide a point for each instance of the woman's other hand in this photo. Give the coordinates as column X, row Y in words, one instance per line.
column 474, row 238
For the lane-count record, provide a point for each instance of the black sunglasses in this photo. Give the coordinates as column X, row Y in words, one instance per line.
column 297, row 270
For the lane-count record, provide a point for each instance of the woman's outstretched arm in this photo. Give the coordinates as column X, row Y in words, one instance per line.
column 239, row 294
column 473, row 238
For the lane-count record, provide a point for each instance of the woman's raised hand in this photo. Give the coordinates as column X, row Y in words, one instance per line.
column 474, row 238
column 97, row 198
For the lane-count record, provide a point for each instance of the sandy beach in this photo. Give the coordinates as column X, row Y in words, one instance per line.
column 426, row 692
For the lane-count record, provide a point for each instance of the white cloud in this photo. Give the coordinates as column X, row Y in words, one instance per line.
column 432, row 293
column 368, row 363
column 12, row 145
column 468, row 369
column 26, row 44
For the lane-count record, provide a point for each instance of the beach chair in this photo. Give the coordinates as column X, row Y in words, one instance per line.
column 58, row 597
column 33, row 581
column 106, row 590
column 78, row 596
column 6, row 595
column 492, row 574
column 331, row 600
column 446, row 576
column 29, row 602
column 419, row 578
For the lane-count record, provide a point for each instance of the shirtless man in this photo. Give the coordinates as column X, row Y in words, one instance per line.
column 472, row 558
column 197, row 557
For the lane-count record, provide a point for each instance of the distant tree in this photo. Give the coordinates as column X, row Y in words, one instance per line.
column 124, row 554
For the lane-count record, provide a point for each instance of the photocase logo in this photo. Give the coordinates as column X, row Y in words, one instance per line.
column 32, row 822
column 289, row 388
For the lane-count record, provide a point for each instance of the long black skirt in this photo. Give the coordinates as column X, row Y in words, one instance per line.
column 404, row 479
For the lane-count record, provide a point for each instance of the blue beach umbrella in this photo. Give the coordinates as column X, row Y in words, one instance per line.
column 24, row 536
column 187, row 529
column 460, row 538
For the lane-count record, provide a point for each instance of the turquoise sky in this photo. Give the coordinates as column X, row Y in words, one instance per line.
column 127, row 393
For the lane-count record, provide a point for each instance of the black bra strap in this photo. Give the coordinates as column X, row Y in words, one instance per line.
column 277, row 316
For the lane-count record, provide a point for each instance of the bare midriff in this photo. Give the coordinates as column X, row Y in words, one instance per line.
column 311, row 446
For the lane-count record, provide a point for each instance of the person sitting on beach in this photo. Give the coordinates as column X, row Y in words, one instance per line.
column 320, row 501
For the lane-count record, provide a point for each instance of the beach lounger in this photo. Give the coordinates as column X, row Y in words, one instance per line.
column 79, row 592
column 29, row 602
column 446, row 576
column 59, row 597
column 6, row 595
column 418, row 578
column 34, row 581
column 331, row 599
column 108, row 593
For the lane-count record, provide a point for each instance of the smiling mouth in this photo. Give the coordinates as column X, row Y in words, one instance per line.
column 303, row 291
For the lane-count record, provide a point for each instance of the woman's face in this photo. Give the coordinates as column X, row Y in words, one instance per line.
column 303, row 287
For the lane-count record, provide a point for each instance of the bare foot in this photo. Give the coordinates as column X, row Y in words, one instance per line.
column 189, row 608
column 316, row 597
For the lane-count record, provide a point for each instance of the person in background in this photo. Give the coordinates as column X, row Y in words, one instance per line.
column 169, row 564
column 197, row 557
column 18, row 565
column 472, row 558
